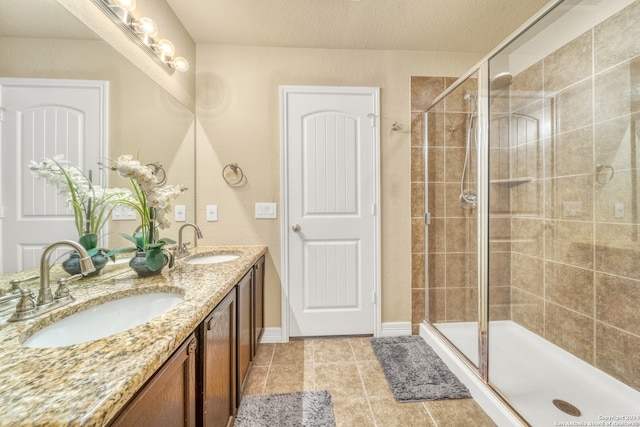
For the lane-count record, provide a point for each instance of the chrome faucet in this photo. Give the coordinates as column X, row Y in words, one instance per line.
column 86, row 266
column 181, row 250
column 15, row 291
column 28, row 308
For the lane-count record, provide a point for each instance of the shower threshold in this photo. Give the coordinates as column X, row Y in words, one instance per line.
column 531, row 373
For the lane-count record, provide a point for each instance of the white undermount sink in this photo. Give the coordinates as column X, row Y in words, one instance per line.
column 103, row 320
column 210, row 258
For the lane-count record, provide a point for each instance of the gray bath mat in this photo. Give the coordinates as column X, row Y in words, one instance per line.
column 303, row 408
column 415, row 372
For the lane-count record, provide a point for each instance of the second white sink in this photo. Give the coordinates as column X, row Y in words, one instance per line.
column 211, row 259
column 104, row 320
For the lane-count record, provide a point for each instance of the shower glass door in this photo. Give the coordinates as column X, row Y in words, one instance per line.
column 451, row 198
column 564, row 286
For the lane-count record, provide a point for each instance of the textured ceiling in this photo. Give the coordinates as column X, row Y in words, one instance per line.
column 431, row 25
column 474, row 26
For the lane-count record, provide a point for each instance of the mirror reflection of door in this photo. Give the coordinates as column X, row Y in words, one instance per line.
column 44, row 118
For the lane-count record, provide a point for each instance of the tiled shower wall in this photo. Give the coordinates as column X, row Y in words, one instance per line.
column 423, row 91
column 575, row 273
column 450, row 250
column 565, row 153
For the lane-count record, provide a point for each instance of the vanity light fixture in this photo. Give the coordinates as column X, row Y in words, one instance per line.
column 143, row 32
column 128, row 5
column 125, row 7
column 180, row 64
column 147, row 29
column 166, row 48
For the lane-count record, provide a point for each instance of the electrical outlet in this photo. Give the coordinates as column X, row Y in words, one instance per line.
column 212, row 212
column 266, row 210
column 123, row 213
column 180, row 213
column 618, row 210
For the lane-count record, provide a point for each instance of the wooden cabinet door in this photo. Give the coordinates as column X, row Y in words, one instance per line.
column 258, row 305
column 218, row 363
column 169, row 398
column 244, row 330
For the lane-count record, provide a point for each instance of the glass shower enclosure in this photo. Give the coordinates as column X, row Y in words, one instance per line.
column 532, row 202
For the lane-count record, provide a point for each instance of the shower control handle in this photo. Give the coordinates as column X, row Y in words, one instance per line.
column 295, row 228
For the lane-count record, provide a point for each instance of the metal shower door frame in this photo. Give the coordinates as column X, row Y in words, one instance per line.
column 482, row 176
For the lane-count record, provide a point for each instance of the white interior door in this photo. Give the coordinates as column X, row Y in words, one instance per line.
column 43, row 118
column 330, row 228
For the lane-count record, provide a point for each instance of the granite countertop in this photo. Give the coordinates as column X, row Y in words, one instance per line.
column 87, row 384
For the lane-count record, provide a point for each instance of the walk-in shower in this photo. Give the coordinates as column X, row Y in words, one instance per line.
column 531, row 251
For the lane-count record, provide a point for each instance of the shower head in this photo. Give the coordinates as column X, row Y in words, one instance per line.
column 501, row 81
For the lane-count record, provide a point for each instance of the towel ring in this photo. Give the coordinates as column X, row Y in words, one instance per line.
column 601, row 170
column 236, row 170
column 159, row 172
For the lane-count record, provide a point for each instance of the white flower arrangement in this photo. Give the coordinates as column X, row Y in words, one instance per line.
column 152, row 201
column 147, row 187
column 91, row 203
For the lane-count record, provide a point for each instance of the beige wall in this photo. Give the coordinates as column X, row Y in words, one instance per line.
column 237, row 108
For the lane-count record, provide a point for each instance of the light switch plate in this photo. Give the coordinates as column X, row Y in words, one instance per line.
column 180, row 213
column 123, row 213
column 266, row 210
column 618, row 210
column 212, row 212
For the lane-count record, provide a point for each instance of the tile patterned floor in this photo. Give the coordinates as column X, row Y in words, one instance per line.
column 349, row 370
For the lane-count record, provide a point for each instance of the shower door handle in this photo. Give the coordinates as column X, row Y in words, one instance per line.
column 295, row 228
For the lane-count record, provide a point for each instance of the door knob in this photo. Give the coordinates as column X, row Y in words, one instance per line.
column 295, row 228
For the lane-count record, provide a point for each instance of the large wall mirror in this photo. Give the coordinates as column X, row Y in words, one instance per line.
column 40, row 39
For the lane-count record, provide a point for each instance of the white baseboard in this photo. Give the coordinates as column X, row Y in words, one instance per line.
column 389, row 329
column 272, row 335
column 394, row 329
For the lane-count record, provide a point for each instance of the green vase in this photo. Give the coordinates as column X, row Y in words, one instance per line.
column 72, row 264
column 139, row 265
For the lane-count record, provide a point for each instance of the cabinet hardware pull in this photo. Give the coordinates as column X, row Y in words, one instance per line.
column 192, row 346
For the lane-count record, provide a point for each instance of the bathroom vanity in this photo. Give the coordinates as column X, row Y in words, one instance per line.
column 186, row 366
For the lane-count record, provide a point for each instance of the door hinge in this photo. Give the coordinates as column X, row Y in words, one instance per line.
column 373, row 119
column 373, row 209
column 374, row 298
column 427, row 218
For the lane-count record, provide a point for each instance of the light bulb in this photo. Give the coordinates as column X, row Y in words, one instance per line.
column 180, row 64
column 127, row 5
column 148, row 27
column 166, row 47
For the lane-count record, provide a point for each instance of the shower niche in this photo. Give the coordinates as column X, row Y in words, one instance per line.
column 531, row 179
